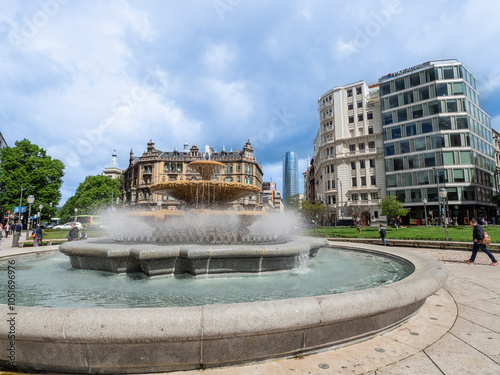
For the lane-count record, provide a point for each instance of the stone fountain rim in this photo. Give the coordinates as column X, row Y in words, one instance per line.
column 273, row 324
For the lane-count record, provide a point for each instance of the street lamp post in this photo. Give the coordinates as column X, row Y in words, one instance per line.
column 21, row 201
column 76, row 210
column 31, row 199
column 341, row 200
column 424, row 201
column 40, row 213
column 436, row 178
column 443, row 193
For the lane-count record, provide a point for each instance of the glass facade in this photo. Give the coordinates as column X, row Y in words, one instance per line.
column 290, row 176
column 435, row 132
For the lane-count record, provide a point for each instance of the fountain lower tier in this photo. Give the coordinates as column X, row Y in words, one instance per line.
column 160, row 259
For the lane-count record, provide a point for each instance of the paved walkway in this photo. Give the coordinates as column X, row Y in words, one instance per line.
column 457, row 331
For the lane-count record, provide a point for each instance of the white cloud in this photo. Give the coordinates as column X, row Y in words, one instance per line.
column 86, row 68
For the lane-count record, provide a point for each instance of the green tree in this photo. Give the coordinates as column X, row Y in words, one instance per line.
column 312, row 211
column 93, row 195
column 27, row 166
column 293, row 203
column 391, row 207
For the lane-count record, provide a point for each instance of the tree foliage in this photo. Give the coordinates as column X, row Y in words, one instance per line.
column 26, row 165
column 93, row 195
column 391, row 207
column 310, row 211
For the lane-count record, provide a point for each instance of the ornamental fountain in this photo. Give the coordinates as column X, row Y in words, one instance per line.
column 219, row 243
column 206, row 239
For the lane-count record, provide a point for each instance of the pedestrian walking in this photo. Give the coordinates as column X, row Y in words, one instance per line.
column 7, row 230
column 19, row 227
column 398, row 222
column 38, row 236
column 382, row 234
column 477, row 236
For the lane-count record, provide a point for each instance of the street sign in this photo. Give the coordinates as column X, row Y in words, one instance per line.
column 19, row 209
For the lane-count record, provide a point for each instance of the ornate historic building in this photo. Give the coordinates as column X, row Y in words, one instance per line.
column 112, row 170
column 155, row 166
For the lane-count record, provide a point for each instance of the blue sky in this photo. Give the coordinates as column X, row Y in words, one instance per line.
column 84, row 78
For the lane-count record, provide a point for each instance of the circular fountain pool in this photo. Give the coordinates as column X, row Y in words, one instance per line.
column 49, row 281
column 144, row 340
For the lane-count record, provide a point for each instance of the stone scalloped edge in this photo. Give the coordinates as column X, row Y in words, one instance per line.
column 111, row 341
column 156, row 259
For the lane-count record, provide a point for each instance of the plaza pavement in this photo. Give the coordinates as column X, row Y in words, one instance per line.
column 456, row 332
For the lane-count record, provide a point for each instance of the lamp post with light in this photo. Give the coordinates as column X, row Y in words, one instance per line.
column 40, row 213
column 424, row 201
column 443, row 193
column 31, row 199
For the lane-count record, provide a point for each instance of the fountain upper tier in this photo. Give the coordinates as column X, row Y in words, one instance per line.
column 205, row 191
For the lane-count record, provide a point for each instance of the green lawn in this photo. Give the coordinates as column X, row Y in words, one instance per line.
column 460, row 233
column 50, row 234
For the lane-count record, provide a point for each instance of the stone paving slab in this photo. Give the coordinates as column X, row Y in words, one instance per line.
column 457, row 331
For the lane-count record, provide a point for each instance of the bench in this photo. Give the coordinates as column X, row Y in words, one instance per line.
column 45, row 242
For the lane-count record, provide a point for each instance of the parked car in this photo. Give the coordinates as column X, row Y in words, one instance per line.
column 68, row 225
column 43, row 224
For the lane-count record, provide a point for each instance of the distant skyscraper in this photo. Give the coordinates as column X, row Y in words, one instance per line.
column 290, row 176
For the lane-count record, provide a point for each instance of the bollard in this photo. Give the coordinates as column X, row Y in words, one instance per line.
column 15, row 239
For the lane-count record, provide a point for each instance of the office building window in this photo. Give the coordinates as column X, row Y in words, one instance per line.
column 398, row 164
column 372, row 163
column 373, row 181
column 371, row 145
column 404, row 147
column 420, row 144
column 358, row 90
column 361, row 146
column 369, row 116
column 408, row 97
column 400, row 84
column 430, row 160
column 427, row 126
column 349, row 93
column 415, row 79
column 385, row 88
column 370, row 130
column 374, row 196
column 351, row 119
column 353, row 165
column 363, row 182
column 350, row 106
column 362, row 164
column 423, row 93
column 360, row 117
column 389, row 149
column 387, row 118
column 413, row 162
column 352, row 148
column 354, row 182
column 360, row 104
column 396, row 132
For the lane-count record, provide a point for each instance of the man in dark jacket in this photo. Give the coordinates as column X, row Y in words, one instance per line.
column 73, row 233
column 478, row 235
column 381, row 232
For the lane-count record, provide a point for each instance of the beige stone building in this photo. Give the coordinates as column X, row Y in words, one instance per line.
column 155, row 166
column 347, row 172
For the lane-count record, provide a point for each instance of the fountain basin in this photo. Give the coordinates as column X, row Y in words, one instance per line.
column 159, row 259
column 167, row 339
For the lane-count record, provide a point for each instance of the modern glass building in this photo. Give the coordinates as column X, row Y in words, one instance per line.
column 290, row 176
column 437, row 136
